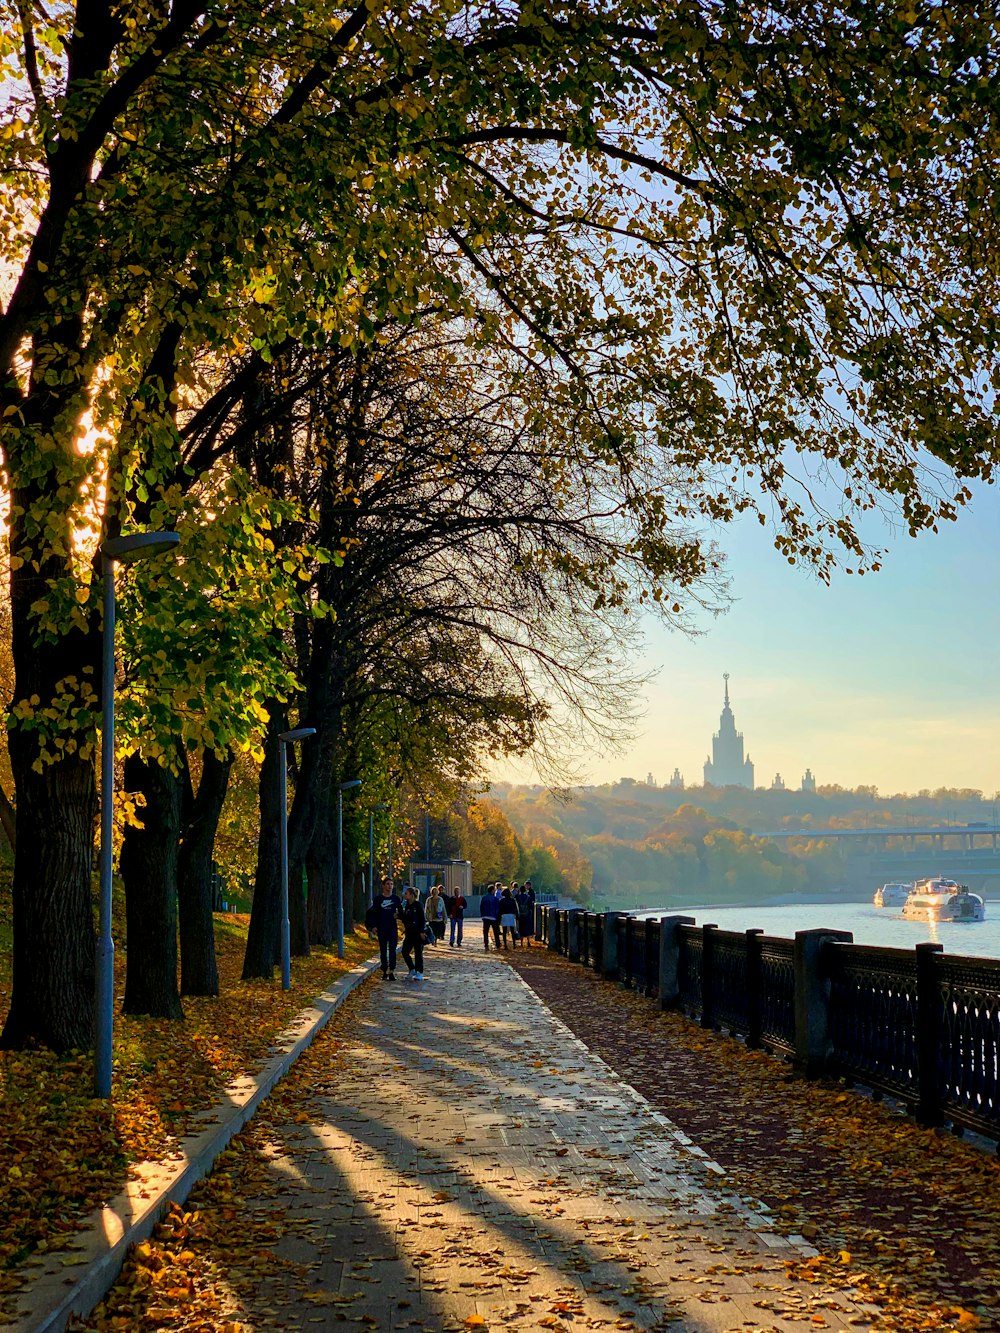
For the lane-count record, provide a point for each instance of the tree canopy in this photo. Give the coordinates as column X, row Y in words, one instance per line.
column 736, row 258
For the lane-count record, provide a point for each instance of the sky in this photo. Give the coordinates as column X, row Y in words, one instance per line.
column 889, row 680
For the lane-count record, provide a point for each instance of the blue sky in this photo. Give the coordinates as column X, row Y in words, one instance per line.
column 889, row 679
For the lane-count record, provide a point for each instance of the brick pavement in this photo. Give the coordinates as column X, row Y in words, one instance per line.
column 469, row 1163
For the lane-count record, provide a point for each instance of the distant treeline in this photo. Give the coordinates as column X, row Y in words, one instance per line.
column 653, row 845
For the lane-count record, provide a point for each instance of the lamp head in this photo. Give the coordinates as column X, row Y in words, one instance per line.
column 137, row 546
column 299, row 734
column 354, row 782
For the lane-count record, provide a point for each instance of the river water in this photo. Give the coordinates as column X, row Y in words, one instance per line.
column 870, row 925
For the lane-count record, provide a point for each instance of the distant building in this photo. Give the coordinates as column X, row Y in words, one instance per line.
column 808, row 781
column 650, row 780
column 779, row 783
column 727, row 766
column 676, row 782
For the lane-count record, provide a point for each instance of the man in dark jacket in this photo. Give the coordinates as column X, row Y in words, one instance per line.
column 414, row 925
column 381, row 918
column 489, row 910
column 456, row 915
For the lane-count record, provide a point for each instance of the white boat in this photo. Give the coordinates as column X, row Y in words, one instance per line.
column 943, row 900
column 892, row 895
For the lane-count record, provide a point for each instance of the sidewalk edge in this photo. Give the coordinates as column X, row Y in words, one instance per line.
column 60, row 1301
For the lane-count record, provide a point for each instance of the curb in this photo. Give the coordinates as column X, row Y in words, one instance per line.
column 54, row 1296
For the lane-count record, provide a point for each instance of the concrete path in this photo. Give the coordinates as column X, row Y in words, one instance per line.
column 472, row 1165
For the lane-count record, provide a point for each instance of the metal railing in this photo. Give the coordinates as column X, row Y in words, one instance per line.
column 920, row 1026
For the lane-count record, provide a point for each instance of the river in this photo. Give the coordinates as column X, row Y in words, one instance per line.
column 870, row 925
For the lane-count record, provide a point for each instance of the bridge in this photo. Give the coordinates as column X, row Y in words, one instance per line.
column 966, row 852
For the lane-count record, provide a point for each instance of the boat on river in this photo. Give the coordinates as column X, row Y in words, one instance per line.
column 943, row 900
column 892, row 895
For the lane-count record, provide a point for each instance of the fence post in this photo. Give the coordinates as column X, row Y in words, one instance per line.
column 539, row 922
column 929, row 1109
column 609, row 947
column 650, row 928
column 553, row 937
column 755, row 989
column 670, row 959
column 573, row 922
column 812, row 1000
column 625, row 964
column 707, row 975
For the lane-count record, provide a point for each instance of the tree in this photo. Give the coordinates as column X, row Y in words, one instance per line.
column 739, row 234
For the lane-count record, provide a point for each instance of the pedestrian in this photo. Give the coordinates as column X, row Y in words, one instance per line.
column 456, row 916
column 489, row 910
column 508, row 917
column 381, row 918
column 435, row 911
column 525, row 917
column 414, row 924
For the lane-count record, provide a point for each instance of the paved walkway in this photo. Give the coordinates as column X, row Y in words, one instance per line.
column 471, row 1164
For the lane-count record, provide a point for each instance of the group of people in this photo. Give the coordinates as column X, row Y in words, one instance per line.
column 506, row 910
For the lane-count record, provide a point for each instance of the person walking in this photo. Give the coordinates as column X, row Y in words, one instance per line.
column 508, row 918
column 414, row 924
column 456, row 916
column 525, row 917
column 489, row 910
column 435, row 911
column 381, row 918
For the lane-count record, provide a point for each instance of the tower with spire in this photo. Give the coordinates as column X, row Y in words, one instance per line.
column 728, row 767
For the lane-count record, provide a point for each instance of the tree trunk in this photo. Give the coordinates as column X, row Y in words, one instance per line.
column 8, row 819
column 149, row 872
column 321, row 868
column 298, row 926
column 350, row 874
column 53, row 957
column 263, row 939
column 199, row 972
column 360, row 904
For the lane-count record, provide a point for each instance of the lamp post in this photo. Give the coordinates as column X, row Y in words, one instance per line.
column 286, row 738
column 371, row 851
column 115, row 551
column 341, row 788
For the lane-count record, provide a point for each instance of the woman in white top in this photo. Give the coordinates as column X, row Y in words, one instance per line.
column 435, row 911
column 508, row 917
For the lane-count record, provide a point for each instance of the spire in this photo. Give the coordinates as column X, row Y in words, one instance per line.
column 725, row 677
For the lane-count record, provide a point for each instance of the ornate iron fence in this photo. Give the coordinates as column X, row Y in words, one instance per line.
column 777, row 982
column 968, row 998
column 922, row 1026
column 873, row 1016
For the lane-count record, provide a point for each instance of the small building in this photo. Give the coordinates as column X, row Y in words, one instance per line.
column 676, row 782
column 456, row 876
column 779, row 783
column 808, row 781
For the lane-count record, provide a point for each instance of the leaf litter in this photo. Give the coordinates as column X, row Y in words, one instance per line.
column 904, row 1215
column 64, row 1153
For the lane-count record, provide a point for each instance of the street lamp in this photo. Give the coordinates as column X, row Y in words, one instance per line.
column 286, row 738
column 115, row 551
column 371, row 851
column 341, row 788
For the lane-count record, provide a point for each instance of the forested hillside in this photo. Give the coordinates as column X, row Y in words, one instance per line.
column 652, row 845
